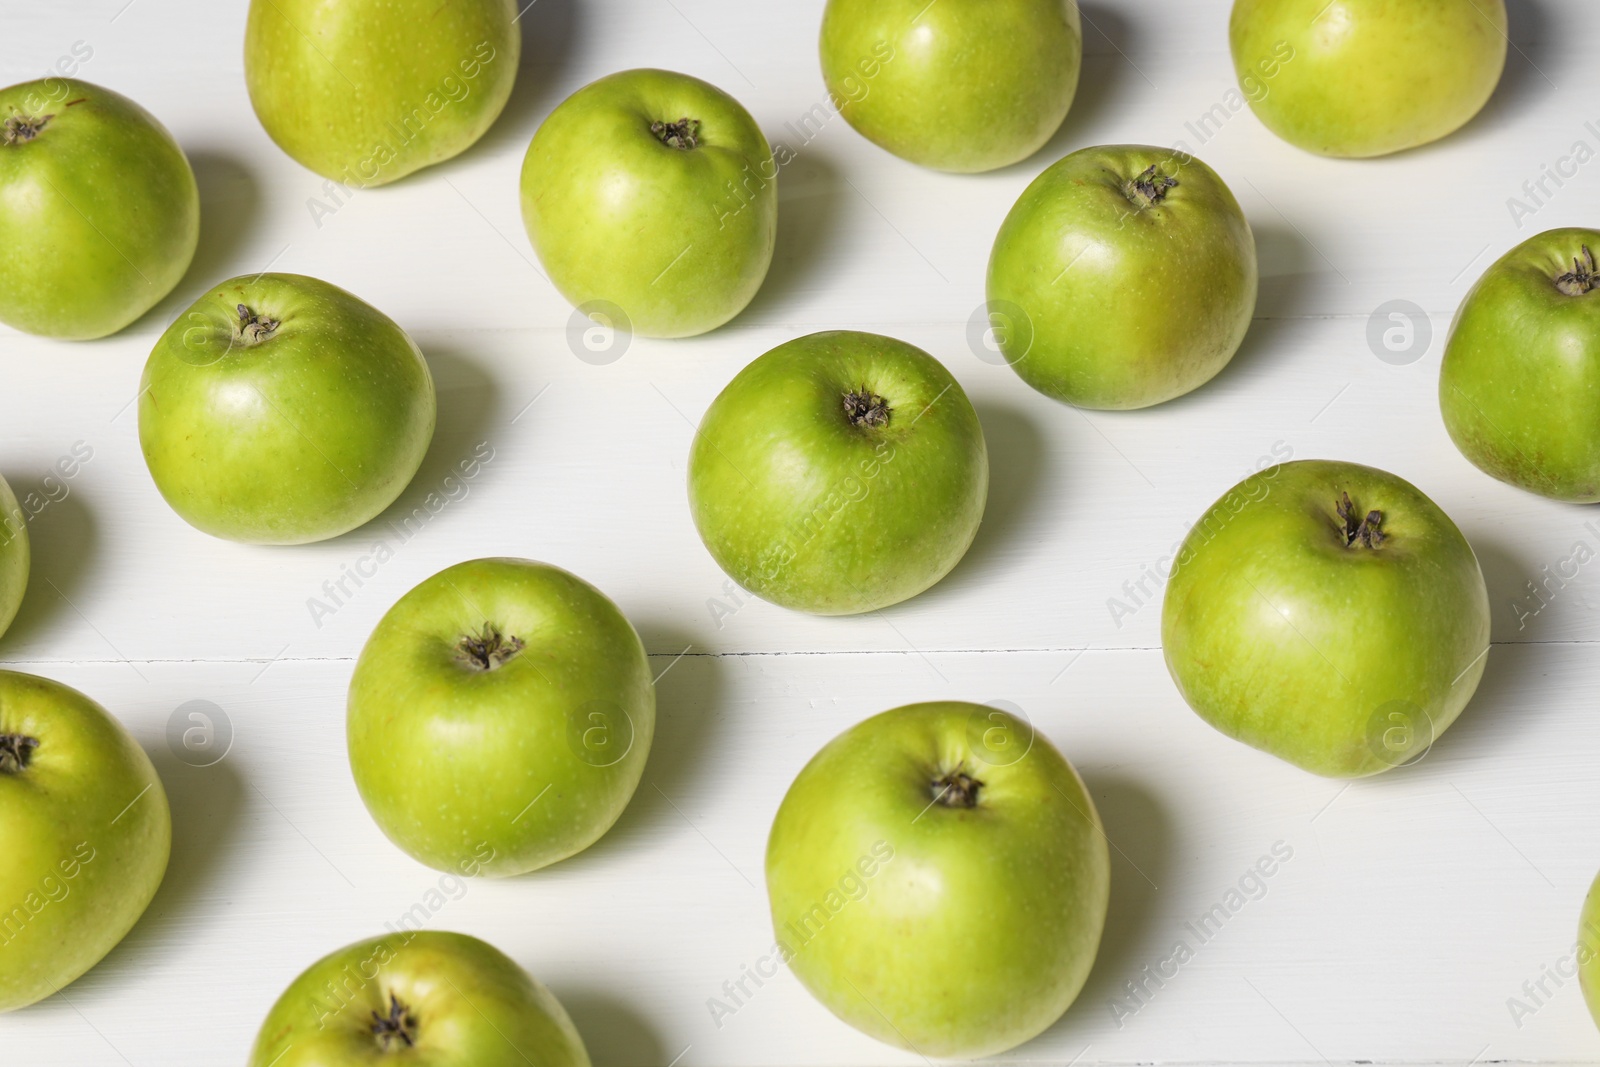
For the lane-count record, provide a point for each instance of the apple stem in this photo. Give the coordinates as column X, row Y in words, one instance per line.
column 254, row 329
column 1366, row 531
column 1583, row 278
column 956, row 790
column 16, row 752
column 1151, row 186
column 20, row 129
column 487, row 649
column 864, row 409
column 399, row 1025
column 683, row 134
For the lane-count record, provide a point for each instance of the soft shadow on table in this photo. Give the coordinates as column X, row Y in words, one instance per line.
column 1524, row 84
column 548, row 31
column 468, row 406
column 1139, row 834
column 205, row 803
column 230, row 203
column 616, row 1035
column 61, row 539
column 809, row 194
column 1101, row 83
column 688, row 696
column 1506, row 574
column 1019, row 467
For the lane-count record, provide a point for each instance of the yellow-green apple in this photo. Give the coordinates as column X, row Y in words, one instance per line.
column 655, row 193
column 839, row 473
column 422, row 998
column 1522, row 366
column 15, row 558
column 939, row 878
column 99, row 211
column 280, row 409
column 85, row 831
column 961, row 85
column 500, row 717
column 1368, row 77
column 367, row 91
column 1129, row 274
column 1327, row 613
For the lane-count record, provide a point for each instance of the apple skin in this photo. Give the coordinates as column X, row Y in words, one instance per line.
column 963, row 85
column 679, row 238
column 1368, row 77
column 99, row 211
column 1522, row 365
column 462, row 1001
column 367, row 91
column 1589, row 951
column 453, row 760
column 85, row 830
column 946, row 929
column 1343, row 659
column 15, row 556
column 1130, row 294
column 301, row 435
column 806, row 508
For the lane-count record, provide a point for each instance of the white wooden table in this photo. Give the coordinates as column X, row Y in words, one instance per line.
column 1414, row 906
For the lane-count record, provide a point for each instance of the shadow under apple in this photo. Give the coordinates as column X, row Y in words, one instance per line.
column 616, row 1035
column 809, row 195
column 62, row 539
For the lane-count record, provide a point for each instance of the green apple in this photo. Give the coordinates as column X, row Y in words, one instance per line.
column 1361, row 78
column 656, row 193
column 963, row 85
column 367, row 91
column 1522, row 366
column 839, row 473
column 280, row 409
column 939, row 878
column 1327, row 613
column 1129, row 276
column 1588, row 955
column 15, row 557
column 99, row 211
column 418, row 997
column 85, row 831
column 500, row 717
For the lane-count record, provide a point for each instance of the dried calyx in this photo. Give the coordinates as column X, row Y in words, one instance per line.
column 16, row 752
column 1357, row 529
column 684, row 134
column 20, row 129
column 1150, row 186
column 254, row 328
column 1582, row 278
column 487, row 649
column 957, row 789
column 864, row 408
column 398, row 1029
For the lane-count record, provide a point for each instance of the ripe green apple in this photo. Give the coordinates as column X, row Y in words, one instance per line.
column 1589, row 951
column 367, row 91
column 1522, row 366
column 654, row 192
column 839, row 473
column 1327, row 613
column 280, row 409
column 1129, row 274
column 99, row 211
column 15, row 557
column 1364, row 78
column 963, row 85
column 85, row 831
column 939, row 878
column 500, row 717
column 418, row 997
